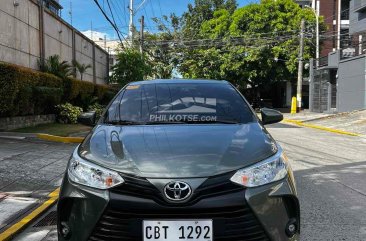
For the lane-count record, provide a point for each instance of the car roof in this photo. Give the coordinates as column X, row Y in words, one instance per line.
column 179, row 81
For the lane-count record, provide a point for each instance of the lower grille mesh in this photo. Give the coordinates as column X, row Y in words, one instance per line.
column 229, row 224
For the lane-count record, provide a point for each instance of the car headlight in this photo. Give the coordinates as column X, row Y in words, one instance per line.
column 270, row 170
column 86, row 173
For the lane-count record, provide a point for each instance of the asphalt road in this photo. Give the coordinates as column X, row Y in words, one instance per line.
column 330, row 170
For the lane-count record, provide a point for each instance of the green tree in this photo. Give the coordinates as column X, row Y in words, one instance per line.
column 131, row 66
column 82, row 68
column 251, row 39
column 54, row 65
column 201, row 11
column 162, row 58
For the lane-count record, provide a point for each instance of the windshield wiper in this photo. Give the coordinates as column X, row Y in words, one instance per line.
column 127, row 122
column 220, row 122
column 123, row 122
column 193, row 122
column 164, row 122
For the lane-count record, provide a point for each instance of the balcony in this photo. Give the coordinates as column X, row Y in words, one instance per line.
column 356, row 49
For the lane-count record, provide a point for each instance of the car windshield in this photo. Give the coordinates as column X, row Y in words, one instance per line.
column 168, row 103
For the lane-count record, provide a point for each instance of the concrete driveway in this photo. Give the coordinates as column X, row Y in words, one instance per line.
column 29, row 170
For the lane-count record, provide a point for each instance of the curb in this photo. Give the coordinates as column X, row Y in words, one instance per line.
column 301, row 123
column 20, row 225
column 60, row 138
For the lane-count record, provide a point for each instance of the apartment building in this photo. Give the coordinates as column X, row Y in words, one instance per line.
column 339, row 83
column 336, row 17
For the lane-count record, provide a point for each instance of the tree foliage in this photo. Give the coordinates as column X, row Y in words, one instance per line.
column 201, row 11
column 82, row 68
column 131, row 66
column 53, row 65
column 269, row 32
column 267, row 51
column 163, row 59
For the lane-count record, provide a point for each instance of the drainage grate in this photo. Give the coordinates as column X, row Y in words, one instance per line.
column 49, row 220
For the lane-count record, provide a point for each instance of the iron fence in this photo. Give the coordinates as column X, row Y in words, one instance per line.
column 353, row 50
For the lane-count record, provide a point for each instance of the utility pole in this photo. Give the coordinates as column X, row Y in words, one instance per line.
column 91, row 30
column 130, row 26
column 301, row 67
column 142, row 21
column 70, row 12
column 317, row 32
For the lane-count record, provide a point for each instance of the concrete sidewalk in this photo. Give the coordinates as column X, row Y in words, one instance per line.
column 306, row 116
column 29, row 170
column 353, row 122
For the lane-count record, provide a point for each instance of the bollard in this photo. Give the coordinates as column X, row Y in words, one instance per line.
column 293, row 105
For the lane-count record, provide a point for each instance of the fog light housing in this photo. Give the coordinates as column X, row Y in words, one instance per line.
column 65, row 230
column 291, row 227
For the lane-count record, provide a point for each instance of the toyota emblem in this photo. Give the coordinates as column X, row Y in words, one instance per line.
column 177, row 191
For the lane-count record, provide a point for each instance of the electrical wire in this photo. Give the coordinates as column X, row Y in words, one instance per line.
column 109, row 20
column 114, row 21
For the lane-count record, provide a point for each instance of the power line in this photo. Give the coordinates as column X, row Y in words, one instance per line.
column 114, row 21
column 118, row 7
column 108, row 19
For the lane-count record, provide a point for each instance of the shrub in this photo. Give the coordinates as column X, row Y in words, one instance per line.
column 47, row 98
column 17, row 95
column 27, row 92
column 109, row 95
column 81, row 93
column 100, row 91
column 98, row 108
column 9, row 88
column 67, row 113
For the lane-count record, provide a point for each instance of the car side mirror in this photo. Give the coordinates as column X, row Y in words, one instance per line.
column 87, row 118
column 270, row 116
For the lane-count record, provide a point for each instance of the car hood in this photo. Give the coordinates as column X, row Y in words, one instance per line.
column 177, row 151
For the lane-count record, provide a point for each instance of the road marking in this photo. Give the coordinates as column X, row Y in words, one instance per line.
column 15, row 228
column 301, row 123
column 60, row 138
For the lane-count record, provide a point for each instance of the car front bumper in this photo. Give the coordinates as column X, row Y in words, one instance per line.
column 261, row 213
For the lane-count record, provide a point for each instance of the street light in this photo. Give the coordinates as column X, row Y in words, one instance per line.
column 316, row 13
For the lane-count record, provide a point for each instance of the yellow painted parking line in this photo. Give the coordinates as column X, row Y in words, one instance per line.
column 60, row 138
column 15, row 228
column 300, row 123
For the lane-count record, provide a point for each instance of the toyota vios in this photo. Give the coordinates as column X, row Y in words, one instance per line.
column 175, row 160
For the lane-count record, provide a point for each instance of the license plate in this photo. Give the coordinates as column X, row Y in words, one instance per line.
column 198, row 230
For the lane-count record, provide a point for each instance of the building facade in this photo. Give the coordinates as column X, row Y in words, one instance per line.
column 339, row 84
column 31, row 30
column 335, row 14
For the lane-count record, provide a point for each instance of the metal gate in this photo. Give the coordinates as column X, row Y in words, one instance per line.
column 324, row 89
column 320, row 90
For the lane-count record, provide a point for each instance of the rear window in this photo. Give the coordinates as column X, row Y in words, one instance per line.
column 171, row 103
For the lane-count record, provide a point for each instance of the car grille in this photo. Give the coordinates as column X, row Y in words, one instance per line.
column 141, row 187
column 236, row 223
